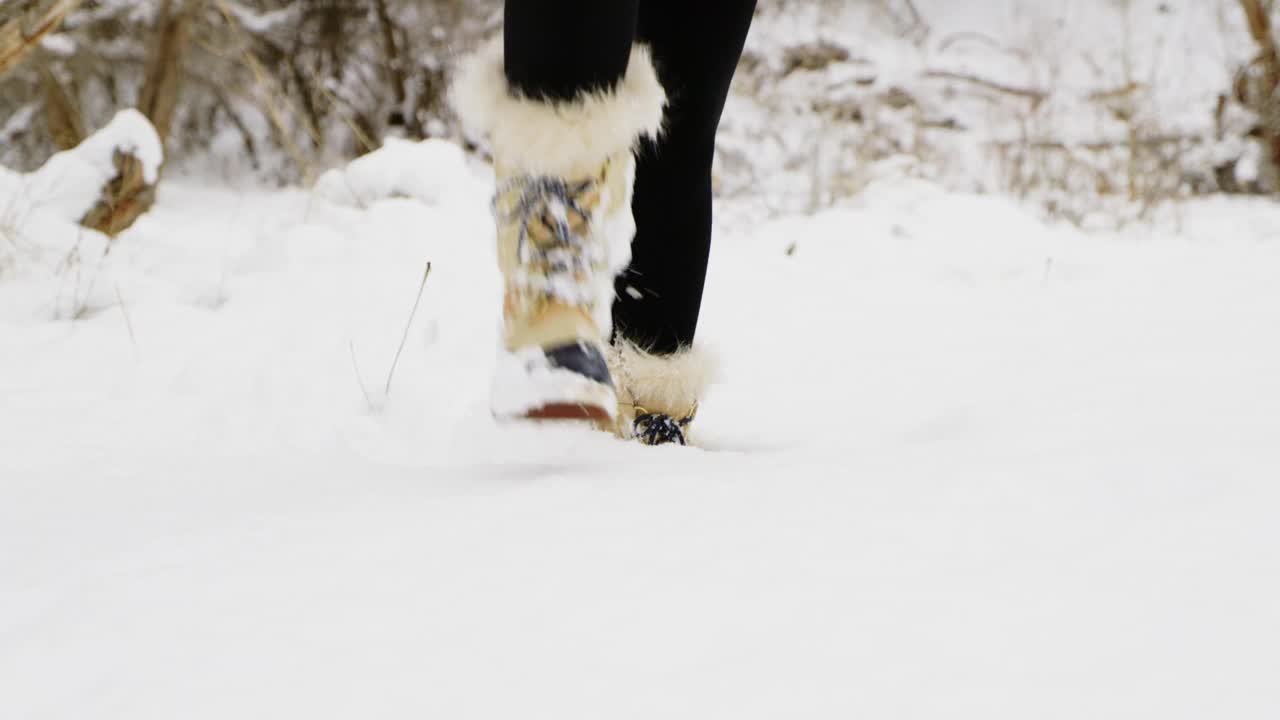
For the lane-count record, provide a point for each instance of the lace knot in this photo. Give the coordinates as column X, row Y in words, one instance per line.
column 653, row 428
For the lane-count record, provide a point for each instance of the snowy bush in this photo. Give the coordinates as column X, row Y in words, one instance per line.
column 426, row 171
column 43, row 214
column 286, row 86
column 1116, row 105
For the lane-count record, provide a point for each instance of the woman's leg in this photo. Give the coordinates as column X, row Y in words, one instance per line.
column 696, row 47
column 659, row 376
column 562, row 99
column 558, row 49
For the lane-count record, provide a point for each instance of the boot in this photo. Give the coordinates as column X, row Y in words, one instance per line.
column 564, row 174
column 658, row 395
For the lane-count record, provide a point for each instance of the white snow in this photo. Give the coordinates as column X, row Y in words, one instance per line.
column 962, row 464
column 1108, row 70
column 49, row 264
column 59, row 44
column 429, row 171
column 71, row 182
column 260, row 23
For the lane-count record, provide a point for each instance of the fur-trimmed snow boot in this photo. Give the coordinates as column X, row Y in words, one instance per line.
column 565, row 172
column 658, row 395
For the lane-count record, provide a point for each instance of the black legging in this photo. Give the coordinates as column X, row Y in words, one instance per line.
column 556, row 49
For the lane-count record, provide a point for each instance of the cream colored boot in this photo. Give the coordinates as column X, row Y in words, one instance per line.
column 564, row 228
column 658, row 395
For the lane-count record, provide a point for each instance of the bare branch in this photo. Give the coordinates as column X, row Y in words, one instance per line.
column 22, row 26
column 1034, row 96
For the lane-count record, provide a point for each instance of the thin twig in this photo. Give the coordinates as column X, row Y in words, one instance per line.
column 19, row 35
column 361, row 136
column 272, row 90
column 128, row 323
column 1035, row 96
column 351, row 344
column 418, row 301
column 1150, row 142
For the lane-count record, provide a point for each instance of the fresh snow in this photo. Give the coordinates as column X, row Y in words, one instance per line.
column 962, row 464
column 71, row 182
column 798, row 139
column 428, row 171
column 49, row 265
column 260, row 24
column 59, row 44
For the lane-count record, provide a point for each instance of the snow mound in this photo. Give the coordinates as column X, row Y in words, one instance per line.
column 41, row 238
column 71, row 182
column 1029, row 470
column 427, row 171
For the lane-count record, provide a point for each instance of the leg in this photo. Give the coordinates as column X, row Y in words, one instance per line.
column 563, row 99
column 696, row 48
column 558, row 49
column 659, row 375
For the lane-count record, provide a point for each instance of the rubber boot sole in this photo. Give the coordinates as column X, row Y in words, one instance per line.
column 568, row 383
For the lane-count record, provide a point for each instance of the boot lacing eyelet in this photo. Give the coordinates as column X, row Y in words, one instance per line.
column 652, row 428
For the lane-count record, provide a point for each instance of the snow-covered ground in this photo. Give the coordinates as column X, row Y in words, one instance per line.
column 961, row 465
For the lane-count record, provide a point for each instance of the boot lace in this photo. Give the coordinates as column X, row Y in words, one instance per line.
column 652, row 428
column 560, row 266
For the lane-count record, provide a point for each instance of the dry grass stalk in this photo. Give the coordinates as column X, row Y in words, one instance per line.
column 1258, row 15
column 23, row 25
column 276, row 99
column 66, row 125
column 1036, row 97
column 159, row 97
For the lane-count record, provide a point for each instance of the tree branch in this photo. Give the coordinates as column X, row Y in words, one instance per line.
column 22, row 26
column 1035, row 96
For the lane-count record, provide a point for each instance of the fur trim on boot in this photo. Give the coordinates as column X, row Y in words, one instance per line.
column 669, row 386
column 563, row 139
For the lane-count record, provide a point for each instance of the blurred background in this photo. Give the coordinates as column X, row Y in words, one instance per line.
column 1094, row 111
